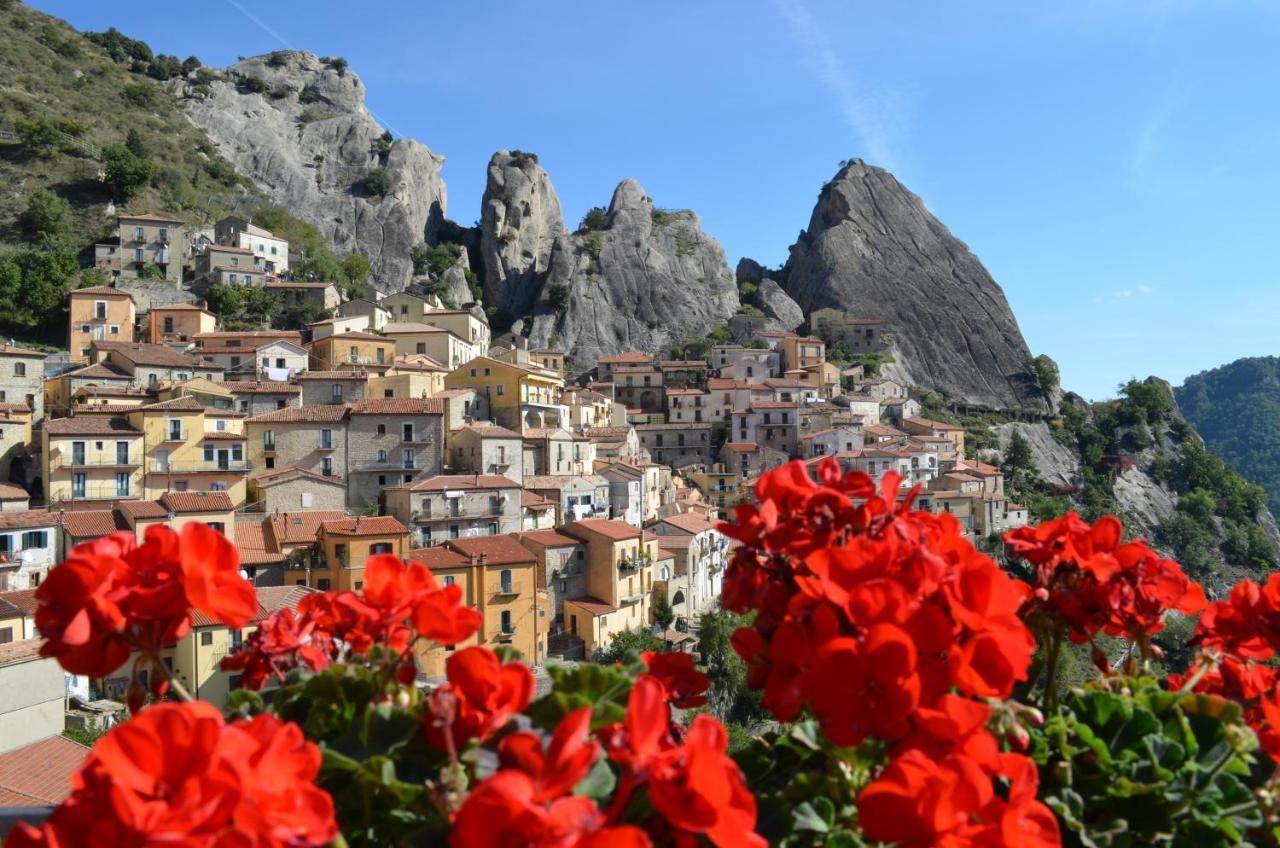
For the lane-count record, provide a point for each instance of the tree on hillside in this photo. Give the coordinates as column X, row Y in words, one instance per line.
column 46, row 220
column 1018, row 457
column 356, row 269
column 124, row 173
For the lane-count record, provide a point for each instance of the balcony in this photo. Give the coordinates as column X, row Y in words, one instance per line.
column 634, row 564
column 96, row 462
column 268, row 447
column 636, row 598
column 197, row 467
column 97, row 492
column 454, row 515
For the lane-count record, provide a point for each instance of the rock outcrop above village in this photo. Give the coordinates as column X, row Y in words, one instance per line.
column 873, row 249
column 297, row 126
column 647, row 279
column 520, row 224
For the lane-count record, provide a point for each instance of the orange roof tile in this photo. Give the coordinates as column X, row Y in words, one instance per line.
column 497, row 550
column 42, row 770
column 364, row 525
column 607, row 527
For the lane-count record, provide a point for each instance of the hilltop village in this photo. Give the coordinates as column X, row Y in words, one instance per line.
column 569, row 507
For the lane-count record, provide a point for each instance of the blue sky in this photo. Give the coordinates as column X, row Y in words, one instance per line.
column 1112, row 163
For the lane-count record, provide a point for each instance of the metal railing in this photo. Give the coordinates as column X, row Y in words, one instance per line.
column 482, row 512
column 95, row 462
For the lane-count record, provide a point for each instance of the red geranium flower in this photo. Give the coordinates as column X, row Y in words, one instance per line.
column 686, row 686
column 566, row 760
column 481, row 696
column 175, row 774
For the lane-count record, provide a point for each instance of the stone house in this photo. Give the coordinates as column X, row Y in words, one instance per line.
column 607, row 365
column 686, row 406
column 896, row 410
column 18, row 450
column 280, row 360
column 773, row 424
column 745, row 364
column 351, row 350
column 455, row 506
column 390, row 441
column 538, row 513
column 150, row 243
column 626, row 492
column 339, row 325
column 830, row 441
column 22, row 378
column 272, row 252
column 884, row 389
column 927, row 427
column 150, row 365
column 442, row 345
column 377, row 315
column 639, row 386
column 552, row 450
column 577, row 496
column 309, row 437
column 614, row 443
column 292, row 293
column 294, row 489
column 462, row 407
column 518, row 396
column 333, row 387
column 865, row 406
column 484, row 448
column 677, row 445
column 343, row 546
column 258, row 397
column 91, row 458
column 701, row 555
column 561, row 574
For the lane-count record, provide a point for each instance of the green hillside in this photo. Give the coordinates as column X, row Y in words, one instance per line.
column 1236, row 408
column 89, row 119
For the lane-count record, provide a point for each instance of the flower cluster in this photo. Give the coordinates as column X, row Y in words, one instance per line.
column 176, row 774
column 690, row 786
column 1088, row 580
column 398, row 603
column 1241, row 635
column 873, row 616
column 113, row 597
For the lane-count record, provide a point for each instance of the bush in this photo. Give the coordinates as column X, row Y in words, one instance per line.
column 661, row 217
column 384, row 144
column 125, row 175
column 141, row 94
column 256, row 85
column 595, row 219
column 34, row 284
column 120, row 47
column 338, row 63
column 558, row 298
column 165, row 67
column 47, row 219
column 377, row 182
column 434, row 260
column 356, row 269
column 45, row 137
column 278, row 59
column 524, row 159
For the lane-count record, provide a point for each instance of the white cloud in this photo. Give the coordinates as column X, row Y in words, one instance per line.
column 869, row 115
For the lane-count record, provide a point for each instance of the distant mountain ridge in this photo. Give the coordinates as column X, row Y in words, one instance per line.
column 1236, row 409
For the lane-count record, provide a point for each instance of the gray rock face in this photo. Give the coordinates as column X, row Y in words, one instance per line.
column 873, row 249
column 749, row 271
column 650, row 279
column 455, row 280
column 520, row 224
column 1055, row 462
column 310, row 142
column 782, row 312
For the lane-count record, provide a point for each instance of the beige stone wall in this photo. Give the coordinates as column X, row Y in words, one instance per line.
column 31, row 702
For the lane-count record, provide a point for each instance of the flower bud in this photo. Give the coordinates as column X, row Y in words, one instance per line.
column 136, row 696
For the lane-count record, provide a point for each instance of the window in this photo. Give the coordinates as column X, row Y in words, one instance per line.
column 269, row 462
column 6, row 635
column 382, row 429
column 206, row 638
column 231, row 278
column 506, row 622
column 335, row 392
column 35, row 539
column 382, row 456
column 493, row 528
column 20, row 369
column 502, row 390
column 421, row 347
column 407, row 458
column 326, row 466
column 268, row 440
column 354, row 354
column 382, row 479
column 388, row 393
column 208, row 452
column 449, row 580
column 151, row 379
column 122, row 484
column 380, row 355
column 323, row 584
column 326, row 439
column 175, row 427
column 504, row 578
column 380, row 548
column 407, row 431
column 453, row 531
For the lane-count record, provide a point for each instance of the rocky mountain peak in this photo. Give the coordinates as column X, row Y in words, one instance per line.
column 874, row 250
column 296, row 124
column 520, row 224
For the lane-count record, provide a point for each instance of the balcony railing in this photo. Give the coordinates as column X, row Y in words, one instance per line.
column 196, row 467
column 96, row 462
column 482, row 512
column 96, row 492
column 634, row 598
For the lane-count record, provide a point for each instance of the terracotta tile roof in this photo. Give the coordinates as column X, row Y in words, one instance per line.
column 354, row 335
column 364, row 525
column 20, row 651
column 28, row 518
column 253, row 545
column 719, row 384
column 490, row 431
column 417, row 362
column 185, row 403
column 398, row 406
column 689, row 522
column 8, row 610
column 546, row 433
column 442, row 482
column 243, row 269
column 290, row 335
column 89, row 425
column 261, row 387
column 438, row 557
column 608, row 432
column 143, row 509
column 223, row 436
column 607, row 527
column 497, row 550
column 674, row 543
column 272, row 477
column 24, row 600
column 392, row 327
column 327, row 413
column 934, row 425
column 185, row 502
column 149, row 354
column 882, row 430
column 92, row 523
column 7, row 349
column 742, row 447
column 549, row 538
column 595, row 606
column 771, row 404
column 270, row 599
column 530, row 500
column 42, row 770
column 334, row 375
column 550, row 481
column 101, row 291
column 624, row 357
column 299, row 528
column 98, row 371
column 226, row 248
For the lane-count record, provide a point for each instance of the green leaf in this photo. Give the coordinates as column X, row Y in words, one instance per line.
column 598, row 783
column 813, row 815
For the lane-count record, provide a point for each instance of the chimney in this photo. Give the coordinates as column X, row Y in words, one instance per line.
column 484, row 557
column 475, row 559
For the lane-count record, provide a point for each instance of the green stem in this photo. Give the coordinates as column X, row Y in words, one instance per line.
column 1051, row 673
